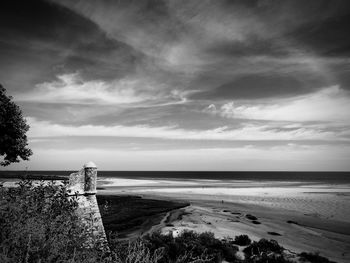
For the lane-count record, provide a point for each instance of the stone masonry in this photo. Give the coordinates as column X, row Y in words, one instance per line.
column 82, row 185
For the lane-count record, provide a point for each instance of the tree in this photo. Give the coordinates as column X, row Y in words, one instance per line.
column 13, row 128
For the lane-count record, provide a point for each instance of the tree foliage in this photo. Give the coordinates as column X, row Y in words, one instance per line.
column 13, row 128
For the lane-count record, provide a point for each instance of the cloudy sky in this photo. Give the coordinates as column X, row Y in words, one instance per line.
column 180, row 85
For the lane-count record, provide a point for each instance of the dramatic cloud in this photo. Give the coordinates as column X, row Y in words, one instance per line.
column 259, row 79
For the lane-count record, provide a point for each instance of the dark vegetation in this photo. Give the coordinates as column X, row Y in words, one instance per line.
column 192, row 247
column 39, row 224
column 124, row 214
column 263, row 246
column 274, row 234
column 13, row 128
column 24, row 175
column 251, row 217
column 242, row 240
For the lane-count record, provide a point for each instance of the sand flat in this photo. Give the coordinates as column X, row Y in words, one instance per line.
column 300, row 216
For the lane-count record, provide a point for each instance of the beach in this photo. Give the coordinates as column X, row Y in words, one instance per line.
column 301, row 216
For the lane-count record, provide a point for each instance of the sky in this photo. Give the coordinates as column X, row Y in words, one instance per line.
column 180, row 85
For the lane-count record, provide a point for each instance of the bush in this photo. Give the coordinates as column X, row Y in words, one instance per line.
column 263, row 246
column 134, row 252
column 38, row 223
column 229, row 252
column 192, row 247
column 251, row 217
column 242, row 240
column 265, row 251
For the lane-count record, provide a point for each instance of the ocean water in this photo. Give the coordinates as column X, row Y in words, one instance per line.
column 326, row 177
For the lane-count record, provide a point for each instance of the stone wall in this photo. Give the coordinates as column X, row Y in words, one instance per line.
column 82, row 186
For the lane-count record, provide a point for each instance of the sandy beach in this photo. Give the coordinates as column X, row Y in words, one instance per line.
column 312, row 217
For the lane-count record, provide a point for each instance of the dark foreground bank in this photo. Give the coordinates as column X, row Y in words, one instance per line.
column 133, row 216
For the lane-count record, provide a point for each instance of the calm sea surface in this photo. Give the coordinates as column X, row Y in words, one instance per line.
column 330, row 177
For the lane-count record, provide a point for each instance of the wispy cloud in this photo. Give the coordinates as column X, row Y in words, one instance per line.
column 246, row 132
column 330, row 104
column 71, row 88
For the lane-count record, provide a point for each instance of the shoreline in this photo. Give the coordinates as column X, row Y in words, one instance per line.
column 288, row 229
column 301, row 218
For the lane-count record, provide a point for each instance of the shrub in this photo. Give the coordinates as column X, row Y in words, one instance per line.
column 38, row 223
column 251, row 217
column 229, row 251
column 242, row 240
column 135, row 252
column 263, row 246
column 192, row 247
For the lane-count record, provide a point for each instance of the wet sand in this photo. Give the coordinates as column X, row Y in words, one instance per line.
column 307, row 217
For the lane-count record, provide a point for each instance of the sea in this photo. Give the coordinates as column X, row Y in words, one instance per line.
column 325, row 177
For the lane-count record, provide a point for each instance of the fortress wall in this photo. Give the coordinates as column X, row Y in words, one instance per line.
column 82, row 186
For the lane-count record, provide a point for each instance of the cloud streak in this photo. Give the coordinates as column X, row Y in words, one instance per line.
column 326, row 105
column 246, row 132
column 70, row 88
